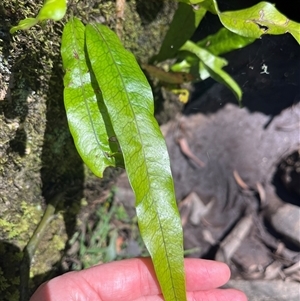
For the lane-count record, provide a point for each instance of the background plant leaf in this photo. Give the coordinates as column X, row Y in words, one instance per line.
column 213, row 65
column 24, row 25
column 224, row 41
column 53, row 10
column 90, row 128
column 262, row 18
column 129, row 101
column 185, row 21
column 205, row 3
column 221, row 42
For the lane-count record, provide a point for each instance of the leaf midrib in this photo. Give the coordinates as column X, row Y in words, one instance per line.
column 144, row 156
column 100, row 144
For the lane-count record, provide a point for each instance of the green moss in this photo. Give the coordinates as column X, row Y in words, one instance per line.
column 58, row 242
column 22, row 225
column 49, row 252
column 145, row 25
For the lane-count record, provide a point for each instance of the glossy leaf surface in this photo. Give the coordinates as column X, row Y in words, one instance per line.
column 129, row 101
column 213, row 66
column 224, row 41
column 262, row 18
column 253, row 22
column 90, row 128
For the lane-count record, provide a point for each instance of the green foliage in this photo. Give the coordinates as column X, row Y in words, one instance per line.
column 241, row 28
column 221, row 42
column 224, row 41
column 185, row 21
column 128, row 102
column 96, row 249
column 51, row 9
column 212, row 65
column 24, row 24
column 210, row 47
column 98, row 237
column 262, row 18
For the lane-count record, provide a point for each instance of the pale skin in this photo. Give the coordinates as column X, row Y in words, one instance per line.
column 134, row 280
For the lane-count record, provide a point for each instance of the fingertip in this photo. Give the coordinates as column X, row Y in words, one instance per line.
column 225, row 268
column 204, row 274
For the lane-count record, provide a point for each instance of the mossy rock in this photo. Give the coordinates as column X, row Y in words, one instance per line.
column 38, row 160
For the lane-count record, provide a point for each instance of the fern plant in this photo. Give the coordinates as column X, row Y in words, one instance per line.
column 110, row 111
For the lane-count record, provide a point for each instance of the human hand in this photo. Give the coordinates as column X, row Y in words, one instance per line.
column 135, row 280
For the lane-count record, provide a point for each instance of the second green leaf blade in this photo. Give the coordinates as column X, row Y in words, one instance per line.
column 128, row 98
column 90, row 128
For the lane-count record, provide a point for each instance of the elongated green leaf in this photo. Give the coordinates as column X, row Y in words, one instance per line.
column 90, row 128
column 24, row 25
column 224, row 41
column 129, row 101
column 185, row 21
column 262, row 18
column 221, row 42
column 213, row 65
